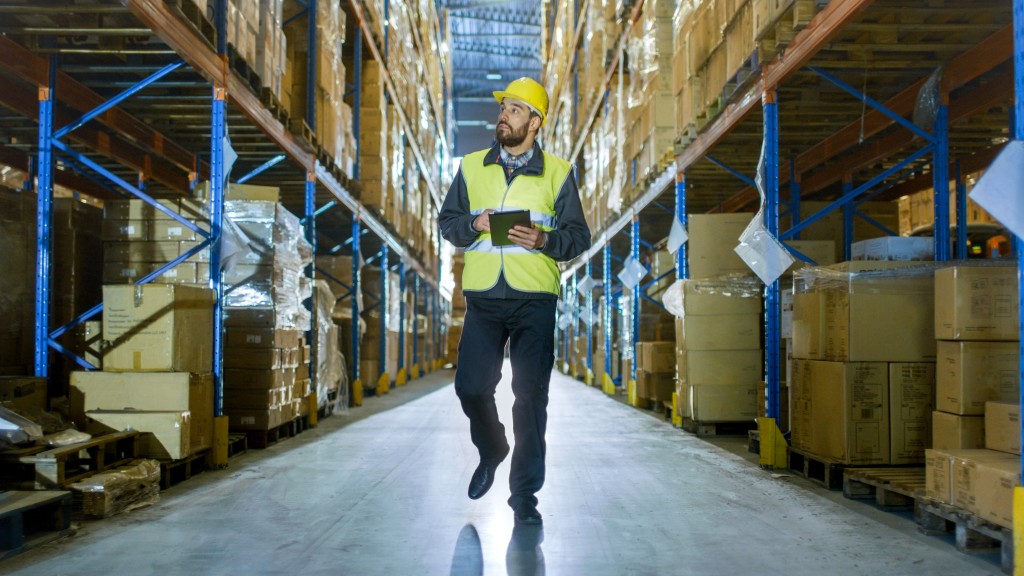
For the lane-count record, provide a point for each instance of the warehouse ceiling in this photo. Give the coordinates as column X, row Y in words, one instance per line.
column 492, row 43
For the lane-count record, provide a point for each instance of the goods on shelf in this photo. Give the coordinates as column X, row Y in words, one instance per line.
column 370, row 346
column 1002, row 426
column 921, row 248
column 718, row 347
column 976, row 303
column 713, row 238
column 265, row 384
column 139, row 239
column 955, row 431
column 917, row 210
column 330, row 376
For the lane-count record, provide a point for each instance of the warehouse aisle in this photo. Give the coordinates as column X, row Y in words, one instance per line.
column 382, row 491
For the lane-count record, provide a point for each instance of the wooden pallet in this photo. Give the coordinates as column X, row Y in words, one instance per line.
column 244, row 70
column 273, row 104
column 716, row 428
column 904, row 487
column 30, row 519
column 59, row 467
column 825, row 471
column 190, row 13
column 261, row 439
column 238, row 443
column 174, row 472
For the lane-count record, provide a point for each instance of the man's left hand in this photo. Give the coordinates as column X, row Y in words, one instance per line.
column 531, row 238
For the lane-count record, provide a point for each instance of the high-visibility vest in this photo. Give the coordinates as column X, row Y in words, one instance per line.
column 525, row 270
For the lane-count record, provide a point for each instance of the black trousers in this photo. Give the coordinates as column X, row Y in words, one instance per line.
column 529, row 328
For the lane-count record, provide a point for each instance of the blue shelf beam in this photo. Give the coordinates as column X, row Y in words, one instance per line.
column 773, row 326
column 264, row 167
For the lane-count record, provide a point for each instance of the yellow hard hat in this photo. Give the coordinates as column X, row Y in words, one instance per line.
column 529, row 91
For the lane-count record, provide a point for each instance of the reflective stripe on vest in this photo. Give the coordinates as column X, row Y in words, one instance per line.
column 525, row 270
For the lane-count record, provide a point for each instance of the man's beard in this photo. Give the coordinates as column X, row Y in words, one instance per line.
column 511, row 138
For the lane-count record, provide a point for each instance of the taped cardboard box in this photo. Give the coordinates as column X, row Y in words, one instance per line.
column 957, row 432
column 730, row 403
column 976, row 303
column 167, row 434
column 972, row 373
column 983, row 484
column 719, row 367
column 254, row 419
column 259, row 379
column 158, row 328
column 911, row 402
column 1002, row 427
column 841, row 410
column 657, row 357
column 726, row 332
column 657, row 386
column 712, row 238
column 256, row 337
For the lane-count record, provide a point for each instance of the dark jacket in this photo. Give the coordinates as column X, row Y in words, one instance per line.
column 569, row 238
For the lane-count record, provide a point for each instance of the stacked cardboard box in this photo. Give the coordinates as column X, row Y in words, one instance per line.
column 862, row 384
column 264, row 384
column 976, row 325
column 157, row 369
column 918, row 210
column 140, row 238
column 718, row 350
column 372, row 365
column 651, row 131
column 655, row 373
column 976, row 480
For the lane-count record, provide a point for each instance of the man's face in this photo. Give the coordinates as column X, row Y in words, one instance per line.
column 513, row 123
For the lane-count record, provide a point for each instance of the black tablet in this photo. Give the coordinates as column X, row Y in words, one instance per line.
column 502, row 222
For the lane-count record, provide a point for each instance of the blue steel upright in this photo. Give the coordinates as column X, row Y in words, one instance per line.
column 415, row 325
column 401, row 315
column 847, row 209
column 589, row 302
column 1018, row 134
column 961, row 215
column 218, row 115
column 682, row 261
column 44, row 225
column 384, row 301
column 940, row 182
column 356, row 256
column 310, row 226
column 634, row 304
column 773, row 328
column 607, row 321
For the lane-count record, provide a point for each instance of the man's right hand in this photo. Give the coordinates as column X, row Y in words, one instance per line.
column 482, row 223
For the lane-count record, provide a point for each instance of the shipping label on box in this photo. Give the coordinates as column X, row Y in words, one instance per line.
column 255, row 419
column 1002, row 427
column 911, row 402
column 972, row 373
column 976, row 303
column 957, row 432
column 170, row 230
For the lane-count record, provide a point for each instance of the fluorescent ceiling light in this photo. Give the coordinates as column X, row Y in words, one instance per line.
column 493, row 76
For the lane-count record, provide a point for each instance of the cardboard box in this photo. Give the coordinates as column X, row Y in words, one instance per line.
column 716, row 298
column 976, row 303
column 993, row 483
column 725, row 332
column 879, row 317
column 115, row 230
column 894, row 248
column 969, row 484
column 241, row 192
column 168, row 434
column 158, row 328
column 972, row 373
column 712, row 238
column 254, row 337
column 956, row 432
column 808, row 326
column 657, row 357
column 247, row 399
column 728, row 403
column 940, row 482
column 1002, row 427
column 253, row 358
column 261, row 379
column 657, row 386
column 23, row 392
column 719, row 367
column 911, row 402
column 152, row 392
column 841, row 410
column 255, row 419
column 162, row 230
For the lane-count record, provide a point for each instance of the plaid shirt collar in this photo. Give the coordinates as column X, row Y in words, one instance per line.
column 513, row 163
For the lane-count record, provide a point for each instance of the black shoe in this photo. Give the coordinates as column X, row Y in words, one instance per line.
column 483, row 477
column 527, row 515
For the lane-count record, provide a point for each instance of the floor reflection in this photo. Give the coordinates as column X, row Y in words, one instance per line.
column 468, row 558
column 524, row 556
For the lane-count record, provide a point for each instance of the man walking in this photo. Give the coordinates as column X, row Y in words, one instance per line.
column 511, row 291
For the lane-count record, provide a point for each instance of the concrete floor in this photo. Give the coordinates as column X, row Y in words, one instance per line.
column 382, row 490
